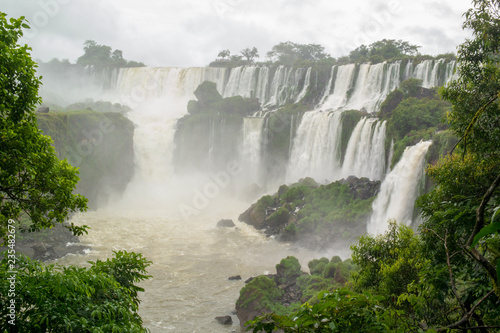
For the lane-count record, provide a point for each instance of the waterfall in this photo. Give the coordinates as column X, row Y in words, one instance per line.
column 399, row 190
column 252, row 148
column 428, row 72
column 135, row 86
column 342, row 84
column 307, row 82
column 373, row 84
column 315, row 151
column 365, row 153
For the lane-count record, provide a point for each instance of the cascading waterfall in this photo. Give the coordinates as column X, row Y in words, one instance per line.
column 373, row 84
column 252, row 148
column 307, row 82
column 399, row 190
column 315, row 151
column 341, row 86
column 365, row 153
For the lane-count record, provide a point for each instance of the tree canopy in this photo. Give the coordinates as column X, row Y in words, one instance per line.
column 101, row 56
column 35, row 186
column 52, row 298
column 383, row 50
column 289, row 53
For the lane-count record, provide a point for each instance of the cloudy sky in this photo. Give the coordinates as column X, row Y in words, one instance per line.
column 192, row 32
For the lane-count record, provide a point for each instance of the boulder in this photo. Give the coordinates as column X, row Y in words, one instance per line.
column 225, row 223
column 234, row 278
column 224, row 320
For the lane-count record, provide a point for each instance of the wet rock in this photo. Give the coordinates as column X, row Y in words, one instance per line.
column 225, row 223
column 224, row 320
column 235, row 277
column 48, row 244
column 43, row 109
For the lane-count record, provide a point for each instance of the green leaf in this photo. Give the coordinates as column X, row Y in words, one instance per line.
column 487, row 230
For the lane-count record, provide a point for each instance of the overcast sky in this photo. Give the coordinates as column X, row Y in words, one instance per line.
column 192, row 32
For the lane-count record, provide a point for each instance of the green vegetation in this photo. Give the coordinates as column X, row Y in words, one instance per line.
column 337, row 211
column 35, row 185
column 340, row 311
column 100, row 144
column 414, row 113
column 96, row 55
column 264, row 293
column 51, row 298
column 101, row 56
column 101, row 106
column 386, row 49
column 446, row 277
column 36, row 192
column 289, row 53
column 304, row 55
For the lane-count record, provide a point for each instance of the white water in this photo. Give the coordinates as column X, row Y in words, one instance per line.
column 315, row 151
column 252, row 149
column 399, row 190
column 365, row 153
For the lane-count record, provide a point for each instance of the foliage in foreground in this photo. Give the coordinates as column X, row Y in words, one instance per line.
column 34, row 184
column 51, row 298
column 340, row 311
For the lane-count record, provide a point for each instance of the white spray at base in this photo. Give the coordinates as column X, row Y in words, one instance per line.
column 399, row 190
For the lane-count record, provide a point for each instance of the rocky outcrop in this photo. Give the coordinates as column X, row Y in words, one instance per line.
column 290, row 286
column 314, row 216
column 99, row 144
column 362, row 188
column 225, row 223
column 224, row 320
column 262, row 293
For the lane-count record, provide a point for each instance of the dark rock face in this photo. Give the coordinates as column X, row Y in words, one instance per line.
column 224, row 320
column 362, row 188
column 225, row 223
column 100, row 144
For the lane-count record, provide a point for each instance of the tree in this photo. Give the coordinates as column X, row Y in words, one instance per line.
column 250, row 54
column 289, row 53
column 35, row 186
column 224, row 54
column 95, row 54
column 383, row 50
column 52, row 298
column 101, row 56
column 339, row 311
column 459, row 231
